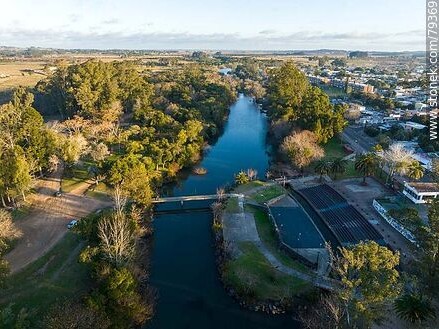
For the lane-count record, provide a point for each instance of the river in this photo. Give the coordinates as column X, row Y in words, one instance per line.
column 183, row 265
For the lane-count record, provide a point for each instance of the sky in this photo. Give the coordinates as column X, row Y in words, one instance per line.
column 382, row 25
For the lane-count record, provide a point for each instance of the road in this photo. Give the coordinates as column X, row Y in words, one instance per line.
column 359, row 141
column 46, row 222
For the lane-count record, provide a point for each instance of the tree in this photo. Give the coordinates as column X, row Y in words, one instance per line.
column 369, row 279
column 338, row 166
column 414, row 308
column 134, row 178
column 317, row 114
column 328, row 313
column 323, row 167
column 366, row 164
column 73, row 147
column 117, row 240
column 8, row 230
column 252, row 174
column 286, row 88
column 241, row 178
column 99, row 152
column 415, row 170
column 301, row 148
column 397, row 160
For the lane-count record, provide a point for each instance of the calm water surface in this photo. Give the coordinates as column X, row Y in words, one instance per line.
column 183, row 263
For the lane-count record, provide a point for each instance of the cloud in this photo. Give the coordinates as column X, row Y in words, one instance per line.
column 267, row 32
column 264, row 40
column 111, row 21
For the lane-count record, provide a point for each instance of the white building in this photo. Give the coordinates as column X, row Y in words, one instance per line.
column 410, row 126
column 421, row 192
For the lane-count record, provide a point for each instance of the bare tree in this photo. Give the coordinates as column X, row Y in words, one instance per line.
column 397, row 159
column 117, row 238
column 217, row 208
column 302, row 148
column 220, row 193
column 252, row 173
column 328, row 313
column 53, row 162
column 120, row 200
column 8, row 230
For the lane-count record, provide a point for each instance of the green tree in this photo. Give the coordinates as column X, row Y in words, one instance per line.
column 338, row 166
column 369, row 279
column 415, row 170
column 241, row 178
column 323, row 167
column 286, row 88
column 366, row 164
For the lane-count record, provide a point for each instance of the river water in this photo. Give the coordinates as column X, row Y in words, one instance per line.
column 183, row 265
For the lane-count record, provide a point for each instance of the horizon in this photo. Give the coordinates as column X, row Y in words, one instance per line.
column 206, row 25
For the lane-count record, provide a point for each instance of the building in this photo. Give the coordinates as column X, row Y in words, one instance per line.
column 420, row 192
column 411, row 126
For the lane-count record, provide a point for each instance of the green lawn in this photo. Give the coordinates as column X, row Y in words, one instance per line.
column 74, row 177
column 249, row 186
column 49, row 280
column 268, row 236
column 254, row 278
column 333, row 150
column 102, row 191
column 267, row 194
column 333, row 91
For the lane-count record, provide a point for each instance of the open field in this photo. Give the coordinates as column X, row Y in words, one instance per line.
column 52, row 278
column 18, row 73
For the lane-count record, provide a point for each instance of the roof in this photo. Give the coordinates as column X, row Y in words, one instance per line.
column 424, row 187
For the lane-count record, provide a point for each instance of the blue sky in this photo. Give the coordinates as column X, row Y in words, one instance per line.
column 221, row 24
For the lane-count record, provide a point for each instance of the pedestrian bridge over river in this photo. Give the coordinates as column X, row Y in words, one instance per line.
column 196, row 198
column 189, row 203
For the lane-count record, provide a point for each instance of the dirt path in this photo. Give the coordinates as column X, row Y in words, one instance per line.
column 46, row 223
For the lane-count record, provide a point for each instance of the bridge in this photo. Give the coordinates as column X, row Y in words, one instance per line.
column 196, row 197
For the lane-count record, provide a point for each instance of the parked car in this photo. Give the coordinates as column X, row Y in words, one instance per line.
column 72, row 223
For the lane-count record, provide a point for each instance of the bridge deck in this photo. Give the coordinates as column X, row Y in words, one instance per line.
column 193, row 198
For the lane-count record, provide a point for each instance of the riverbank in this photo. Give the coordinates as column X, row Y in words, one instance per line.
column 252, row 267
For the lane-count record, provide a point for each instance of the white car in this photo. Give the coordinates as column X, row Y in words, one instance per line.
column 72, row 223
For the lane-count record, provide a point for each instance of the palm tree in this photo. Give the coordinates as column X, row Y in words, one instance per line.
column 414, row 308
column 241, row 178
column 366, row 164
column 323, row 167
column 338, row 166
column 415, row 170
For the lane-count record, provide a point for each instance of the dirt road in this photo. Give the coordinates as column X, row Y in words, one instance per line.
column 46, row 223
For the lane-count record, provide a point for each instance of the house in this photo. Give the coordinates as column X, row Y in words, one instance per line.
column 419, row 192
column 411, row 126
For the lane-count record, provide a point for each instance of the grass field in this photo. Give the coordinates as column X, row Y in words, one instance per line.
column 74, row 178
column 254, row 277
column 333, row 150
column 57, row 276
column 18, row 73
column 267, row 194
column 249, row 186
